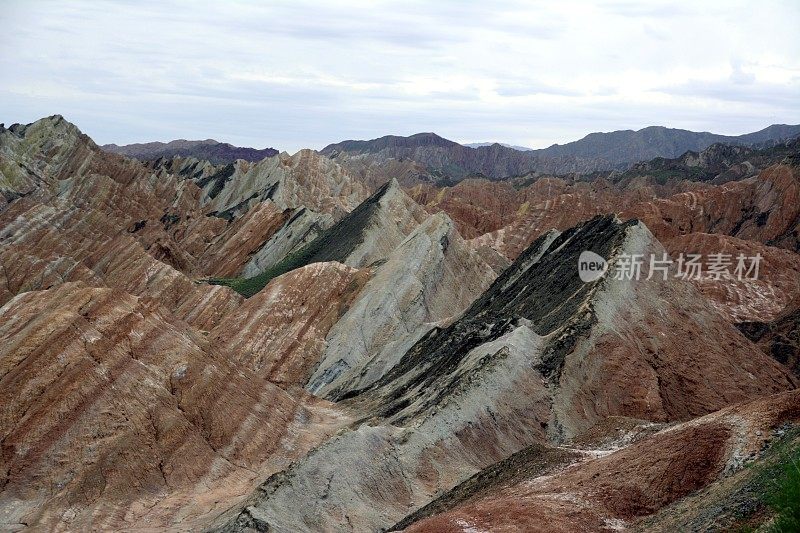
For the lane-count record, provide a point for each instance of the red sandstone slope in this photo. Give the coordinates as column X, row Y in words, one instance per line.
column 765, row 209
column 280, row 332
column 60, row 178
column 116, row 415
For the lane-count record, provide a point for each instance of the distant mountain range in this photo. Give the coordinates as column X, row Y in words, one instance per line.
column 718, row 163
column 427, row 157
column 209, row 149
column 596, row 151
column 628, row 146
column 514, row 146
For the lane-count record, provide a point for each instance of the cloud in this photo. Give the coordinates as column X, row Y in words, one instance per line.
column 296, row 73
column 739, row 76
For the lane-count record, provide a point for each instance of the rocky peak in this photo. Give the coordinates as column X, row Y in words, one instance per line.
column 305, row 179
column 368, row 233
column 431, row 276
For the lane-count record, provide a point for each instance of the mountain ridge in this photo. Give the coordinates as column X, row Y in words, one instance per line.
column 600, row 151
column 209, row 149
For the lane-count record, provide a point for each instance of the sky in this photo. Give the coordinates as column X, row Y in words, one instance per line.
column 302, row 74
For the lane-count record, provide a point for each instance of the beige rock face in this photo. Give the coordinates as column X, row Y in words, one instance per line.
column 432, row 276
column 394, row 217
column 302, row 227
column 305, row 179
column 365, row 236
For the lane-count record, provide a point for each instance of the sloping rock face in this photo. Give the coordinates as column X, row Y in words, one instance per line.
column 334, row 328
column 764, row 209
column 81, row 211
column 593, row 318
column 209, row 150
column 477, row 206
column 117, row 416
column 97, row 218
column 376, row 228
column 280, row 332
column 430, row 277
column 369, row 233
column 614, row 491
column 305, row 179
column 287, row 202
column 749, row 217
column 374, row 173
column 554, row 204
column 509, row 215
column 301, row 228
column 246, row 240
column 539, row 356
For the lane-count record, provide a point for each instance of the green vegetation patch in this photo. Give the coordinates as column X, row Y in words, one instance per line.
column 782, row 490
column 762, row 496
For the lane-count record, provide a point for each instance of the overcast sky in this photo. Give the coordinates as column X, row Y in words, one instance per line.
column 294, row 74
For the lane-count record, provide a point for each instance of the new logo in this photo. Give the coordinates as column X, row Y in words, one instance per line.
column 591, row 266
